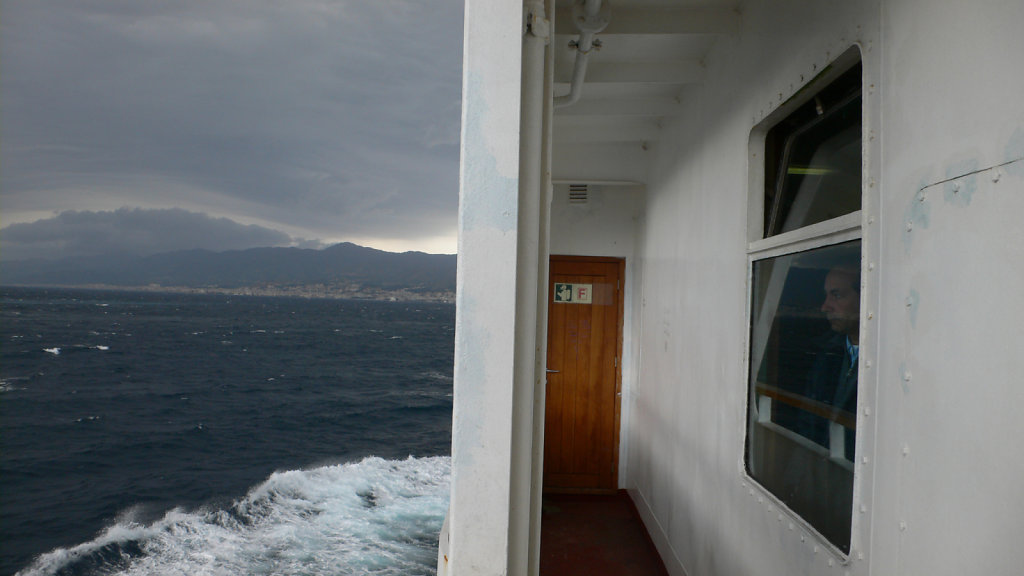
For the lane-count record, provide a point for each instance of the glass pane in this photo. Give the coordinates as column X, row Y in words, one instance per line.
column 815, row 159
column 803, row 383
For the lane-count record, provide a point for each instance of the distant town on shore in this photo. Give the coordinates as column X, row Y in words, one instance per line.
column 333, row 291
column 342, row 271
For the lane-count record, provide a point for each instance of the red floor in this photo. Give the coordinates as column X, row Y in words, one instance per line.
column 595, row 535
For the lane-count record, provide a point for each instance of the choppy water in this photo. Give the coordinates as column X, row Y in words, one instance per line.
column 176, row 434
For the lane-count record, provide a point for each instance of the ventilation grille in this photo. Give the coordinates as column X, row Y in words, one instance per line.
column 578, row 193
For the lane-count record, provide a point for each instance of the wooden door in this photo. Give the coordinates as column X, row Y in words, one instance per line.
column 581, row 423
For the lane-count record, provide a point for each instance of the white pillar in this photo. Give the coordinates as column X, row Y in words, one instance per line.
column 479, row 517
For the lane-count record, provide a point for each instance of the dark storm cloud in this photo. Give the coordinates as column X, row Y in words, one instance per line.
column 329, row 119
column 130, row 231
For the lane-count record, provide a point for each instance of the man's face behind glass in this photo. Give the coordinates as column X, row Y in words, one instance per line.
column 842, row 302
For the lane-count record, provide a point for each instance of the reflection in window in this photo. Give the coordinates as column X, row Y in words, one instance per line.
column 805, row 326
column 813, row 170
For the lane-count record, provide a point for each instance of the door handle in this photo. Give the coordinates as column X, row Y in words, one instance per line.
column 552, row 371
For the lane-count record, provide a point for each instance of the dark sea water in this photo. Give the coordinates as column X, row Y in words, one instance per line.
column 151, row 433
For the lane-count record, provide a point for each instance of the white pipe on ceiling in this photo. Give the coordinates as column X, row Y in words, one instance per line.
column 590, row 18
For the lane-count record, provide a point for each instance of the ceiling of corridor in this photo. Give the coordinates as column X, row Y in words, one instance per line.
column 650, row 54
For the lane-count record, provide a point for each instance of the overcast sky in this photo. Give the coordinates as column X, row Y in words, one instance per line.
column 223, row 123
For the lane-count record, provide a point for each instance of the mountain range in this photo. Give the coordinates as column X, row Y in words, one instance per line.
column 346, row 267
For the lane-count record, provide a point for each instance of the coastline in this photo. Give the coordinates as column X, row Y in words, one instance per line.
column 346, row 291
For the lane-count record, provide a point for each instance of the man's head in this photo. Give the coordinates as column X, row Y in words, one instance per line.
column 842, row 301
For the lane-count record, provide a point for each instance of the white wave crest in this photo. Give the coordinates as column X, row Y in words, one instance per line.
column 376, row 516
column 54, row 351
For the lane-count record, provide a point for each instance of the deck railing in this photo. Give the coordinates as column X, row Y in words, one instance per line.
column 839, row 420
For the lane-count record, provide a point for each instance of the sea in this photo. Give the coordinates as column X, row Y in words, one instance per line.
column 163, row 433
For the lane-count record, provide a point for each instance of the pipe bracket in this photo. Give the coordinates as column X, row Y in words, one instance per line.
column 589, row 20
column 534, row 22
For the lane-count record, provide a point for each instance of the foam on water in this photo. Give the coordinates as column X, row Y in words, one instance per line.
column 57, row 350
column 376, row 516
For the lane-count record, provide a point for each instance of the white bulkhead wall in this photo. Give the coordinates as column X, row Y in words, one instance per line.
column 948, row 495
column 688, row 427
column 939, row 462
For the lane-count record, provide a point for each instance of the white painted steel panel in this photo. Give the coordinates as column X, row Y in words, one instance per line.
column 939, row 467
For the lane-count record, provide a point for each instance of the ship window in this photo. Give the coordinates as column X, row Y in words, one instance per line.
column 813, row 168
column 804, row 351
column 805, row 310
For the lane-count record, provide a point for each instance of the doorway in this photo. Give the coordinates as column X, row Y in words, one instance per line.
column 583, row 392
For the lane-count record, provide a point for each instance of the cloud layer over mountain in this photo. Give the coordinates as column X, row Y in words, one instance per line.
column 133, row 232
column 330, row 119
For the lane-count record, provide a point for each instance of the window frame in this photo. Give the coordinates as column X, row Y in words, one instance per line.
column 845, row 228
